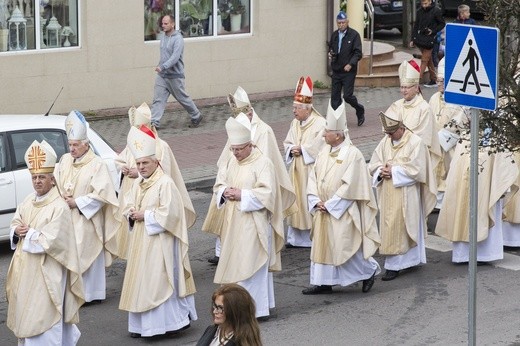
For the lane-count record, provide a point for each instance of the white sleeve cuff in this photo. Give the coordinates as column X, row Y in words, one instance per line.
column 375, row 178
column 88, row 206
column 221, row 200
column 31, row 243
column 307, row 159
column 248, row 201
column 150, row 224
column 400, row 178
column 337, row 206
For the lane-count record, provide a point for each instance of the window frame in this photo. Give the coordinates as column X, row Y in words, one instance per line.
column 37, row 35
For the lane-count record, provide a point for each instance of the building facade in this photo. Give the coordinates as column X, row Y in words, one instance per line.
column 103, row 53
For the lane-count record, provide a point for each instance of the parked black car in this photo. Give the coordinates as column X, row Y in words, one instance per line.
column 450, row 6
column 388, row 14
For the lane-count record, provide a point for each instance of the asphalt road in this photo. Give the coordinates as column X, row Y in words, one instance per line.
column 423, row 306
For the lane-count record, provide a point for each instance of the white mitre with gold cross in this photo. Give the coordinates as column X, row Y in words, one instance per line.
column 40, row 158
column 141, row 142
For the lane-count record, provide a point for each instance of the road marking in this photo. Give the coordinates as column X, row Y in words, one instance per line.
column 510, row 262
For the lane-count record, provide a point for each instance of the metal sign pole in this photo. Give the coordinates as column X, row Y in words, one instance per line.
column 473, row 203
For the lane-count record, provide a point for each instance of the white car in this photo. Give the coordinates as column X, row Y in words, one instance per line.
column 17, row 132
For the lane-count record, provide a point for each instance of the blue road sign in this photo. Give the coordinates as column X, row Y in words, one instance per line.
column 471, row 66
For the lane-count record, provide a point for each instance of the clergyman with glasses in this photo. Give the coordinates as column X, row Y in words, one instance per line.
column 263, row 138
column 251, row 234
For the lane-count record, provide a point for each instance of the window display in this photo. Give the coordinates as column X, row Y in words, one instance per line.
column 198, row 18
column 38, row 24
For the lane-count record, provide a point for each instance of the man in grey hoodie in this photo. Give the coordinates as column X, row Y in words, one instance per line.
column 170, row 75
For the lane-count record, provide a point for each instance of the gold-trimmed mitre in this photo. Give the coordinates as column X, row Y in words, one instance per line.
column 40, row 158
column 239, row 102
column 409, row 73
column 141, row 142
column 141, row 115
column 304, row 91
column 391, row 119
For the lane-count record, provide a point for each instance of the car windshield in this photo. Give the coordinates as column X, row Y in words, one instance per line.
column 23, row 139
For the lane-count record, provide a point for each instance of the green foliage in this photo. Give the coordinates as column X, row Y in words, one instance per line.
column 237, row 7
column 199, row 9
column 343, row 6
column 505, row 122
column 320, row 85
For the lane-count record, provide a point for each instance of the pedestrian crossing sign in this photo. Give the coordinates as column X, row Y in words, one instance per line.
column 471, row 66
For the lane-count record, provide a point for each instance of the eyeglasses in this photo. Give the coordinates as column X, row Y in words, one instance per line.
column 236, row 150
column 219, row 309
column 407, row 86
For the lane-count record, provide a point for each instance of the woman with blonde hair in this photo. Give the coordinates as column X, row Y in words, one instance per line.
column 234, row 321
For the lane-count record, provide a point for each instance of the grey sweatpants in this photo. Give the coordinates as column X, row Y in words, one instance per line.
column 164, row 87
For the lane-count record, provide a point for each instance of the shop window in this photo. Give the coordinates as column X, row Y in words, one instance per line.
column 198, row 18
column 38, row 24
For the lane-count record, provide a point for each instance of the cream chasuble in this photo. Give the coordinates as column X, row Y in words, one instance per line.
column 343, row 173
column 244, row 235
column 418, row 118
column 512, row 209
column 170, row 167
column 34, row 283
column 496, row 179
column 149, row 270
column 89, row 177
column 309, row 137
column 265, row 141
column 400, row 217
column 445, row 114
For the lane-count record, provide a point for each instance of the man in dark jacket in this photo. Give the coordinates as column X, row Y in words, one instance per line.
column 428, row 23
column 344, row 53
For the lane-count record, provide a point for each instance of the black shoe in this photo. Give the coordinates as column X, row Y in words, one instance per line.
column 368, row 283
column 361, row 120
column 431, row 84
column 196, row 123
column 213, row 260
column 135, row 335
column 289, row 246
column 417, row 56
column 390, row 275
column 323, row 289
